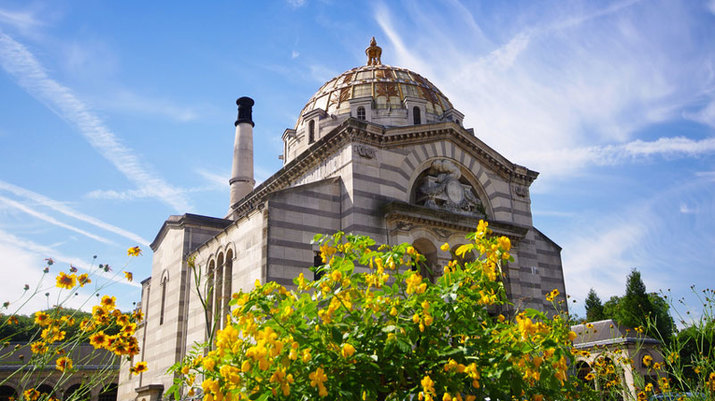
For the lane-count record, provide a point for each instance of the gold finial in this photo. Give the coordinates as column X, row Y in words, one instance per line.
column 373, row 53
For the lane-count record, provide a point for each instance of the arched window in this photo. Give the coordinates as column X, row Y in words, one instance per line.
column 311, row 131
column 416, row 115
column 218, row 291
column 227, row 281
column 361, row 113
column 427, row 268
column 46, row 389
column 207, row 291
column 109, row 393
column 7, row 392
column 583, row 370
column 164, row 280
column 78, row 392
column 317, row 261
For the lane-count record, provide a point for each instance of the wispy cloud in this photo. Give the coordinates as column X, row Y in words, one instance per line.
column 220, row 180
column 296, row 3
column 31, row 75
column 22, row 20
column 128, row 101
column 67, row 211
column 52, row 220
column 584, row 81
column 553, row 160
column 26, row 259
column 661, row 234
column 42, row 252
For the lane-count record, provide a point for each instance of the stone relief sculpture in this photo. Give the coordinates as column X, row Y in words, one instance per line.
column 441, row 188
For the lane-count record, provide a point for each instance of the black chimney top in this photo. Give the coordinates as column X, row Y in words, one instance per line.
column 245, row 108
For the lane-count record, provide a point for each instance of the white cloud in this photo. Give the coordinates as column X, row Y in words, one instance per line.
column 685, row 209
column 294, row 54
column 26, row 256
column 557, row 162
column 706, row 115
column 22, row 20
column 296, row 3
column 52, row 220
column 219, row 180
column 321, row 73
column 31, row 75
column 127, row 101
column 711, row 6
column 583, row 81
column 67, row 211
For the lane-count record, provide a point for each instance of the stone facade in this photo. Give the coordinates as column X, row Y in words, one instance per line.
column 378, row 151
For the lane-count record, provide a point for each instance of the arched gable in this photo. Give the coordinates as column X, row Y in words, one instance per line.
column 477, row 180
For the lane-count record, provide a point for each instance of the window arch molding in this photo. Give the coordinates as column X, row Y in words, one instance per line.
column 466, row 174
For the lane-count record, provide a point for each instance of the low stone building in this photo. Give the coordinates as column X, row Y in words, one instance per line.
column 378, row 150
column 99, row 366
column 608, row 342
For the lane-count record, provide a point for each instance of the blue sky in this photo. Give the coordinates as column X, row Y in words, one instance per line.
column 116, row 115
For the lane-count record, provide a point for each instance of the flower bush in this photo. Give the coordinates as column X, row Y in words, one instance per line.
column 372, row 327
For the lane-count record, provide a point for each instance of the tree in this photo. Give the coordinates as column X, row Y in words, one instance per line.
column 637, row 308
column 594, row 308
column 371, row 328
column 635, row 305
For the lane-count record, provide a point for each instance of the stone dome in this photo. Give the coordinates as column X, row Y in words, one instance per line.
column 388, row 86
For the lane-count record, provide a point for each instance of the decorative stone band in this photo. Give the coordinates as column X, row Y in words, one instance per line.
column 240, row 179
column 353, row 130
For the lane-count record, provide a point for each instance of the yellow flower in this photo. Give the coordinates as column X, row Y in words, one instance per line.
column 647, row 360
column 99, row 339
column 553, row 294
column 31, row 394
column 710, row 383
column 129, row 276
column 66, row 281
column 134, row 251
column 209, row 364
column 444, row 247
column 42, row 319
column 138, row 368
column 108, row 302
column 317, row 379
column 347, row 351
column 504, row 243
column 83, row 279
column 38, row 347
column 64, row 363
column 572, row 335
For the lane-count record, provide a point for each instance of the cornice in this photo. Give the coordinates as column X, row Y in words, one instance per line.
column 357, row 131
column 426, row 217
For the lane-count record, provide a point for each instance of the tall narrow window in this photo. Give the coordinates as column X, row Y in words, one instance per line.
column 311, row 131
column 317, row 261
column 163, row 299
column 416, row 115
column 361, row 113
column 218, row 292
column 209, row 292
column 227, row 281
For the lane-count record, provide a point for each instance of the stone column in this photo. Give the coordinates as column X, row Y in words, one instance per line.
column 242, row 181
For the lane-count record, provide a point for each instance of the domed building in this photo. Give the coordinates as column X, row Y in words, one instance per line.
column 378, row 150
